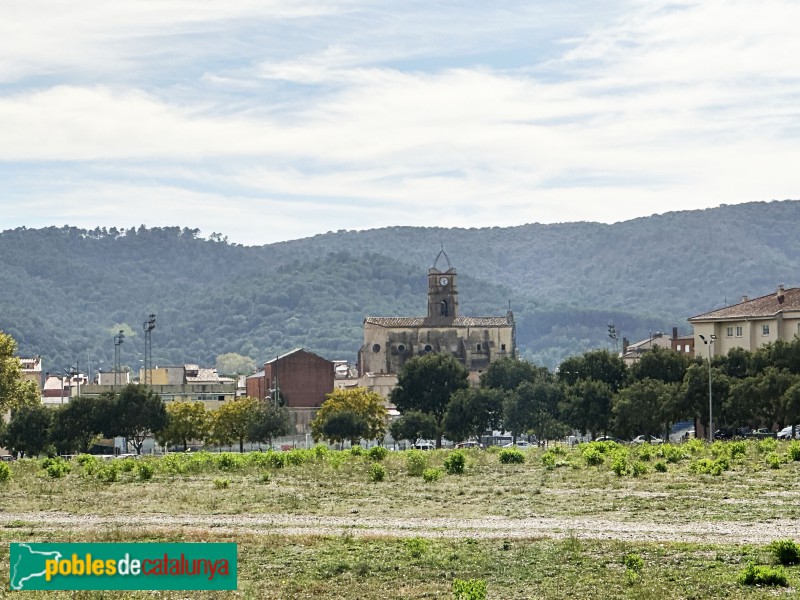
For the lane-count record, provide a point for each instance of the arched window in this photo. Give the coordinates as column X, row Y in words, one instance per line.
column 443, row 309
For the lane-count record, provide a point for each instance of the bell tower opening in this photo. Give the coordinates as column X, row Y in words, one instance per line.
column 442, row 291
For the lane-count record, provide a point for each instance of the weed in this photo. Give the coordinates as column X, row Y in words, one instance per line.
column 633, row 567
column 417, row 546
column 619, row 463
column 469, row 589
column 660, row 466
column 767, row 445
column 377, row 453
column 761, row 575
column 737, row 449
column 431, row 475
column 787, row 552
column 109, row 472
column 549, row 460
column 5, row 472
column 638, row 469
column 592, row 455
column 221, row 484
column 511, row 456
column 266, row 477
column 56, row 467
column 793, row 452
column 416, row 462
column 773, row 460
column 377, row 472
column 454, row 464
column 145, row 471
column 356, row 450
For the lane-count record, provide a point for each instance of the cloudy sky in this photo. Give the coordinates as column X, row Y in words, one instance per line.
column 268, row 120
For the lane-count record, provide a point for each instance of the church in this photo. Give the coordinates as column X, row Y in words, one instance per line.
column 475, row 341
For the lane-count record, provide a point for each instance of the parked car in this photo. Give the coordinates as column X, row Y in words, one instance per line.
column 425, row 445
column 518, row 444
column 469, row 445
column 762, row 433
column 606, row 438
column 725, row 434
column 786, row 433
column 641, row 439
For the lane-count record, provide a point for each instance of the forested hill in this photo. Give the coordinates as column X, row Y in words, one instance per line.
column 64, row 291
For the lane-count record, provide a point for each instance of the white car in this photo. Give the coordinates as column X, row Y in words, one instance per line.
column 518, row 444
column 786, row 433
column 641, row 439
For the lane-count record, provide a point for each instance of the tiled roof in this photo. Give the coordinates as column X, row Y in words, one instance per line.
column 424, row 322
column 765, row 306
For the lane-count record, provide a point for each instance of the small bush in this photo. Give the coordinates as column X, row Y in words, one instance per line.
column 549, row 460
column 416, row 462
column 299, row 456
column 593, row 456
column 660, row 466
column 377, row 472
column 706, row 466
column 761, row 575
column 221, row 484
column 145, row 471
column 509, row 456
column 646, row 452
column 266, row 477
column 109, row 471
column 84, row 459
column 794, row 451
column 469, row 589
column 633, row 567
column 672, row 454
column 228, row 461
column 356, row 450
column 694, row 445
column 773, row 460
column 320, row 451
column 56, row 467
column 638, row 469
column 5, row 472
column 455, row 463
column 767, row 445
column 127, row 465
column 276, row 460
column 737, row 449
column 787, row 552
column 377, row 453
column 417, row 546
column 619, row 463
column 431, row 475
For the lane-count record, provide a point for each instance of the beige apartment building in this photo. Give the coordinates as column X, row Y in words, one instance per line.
column 749, row 324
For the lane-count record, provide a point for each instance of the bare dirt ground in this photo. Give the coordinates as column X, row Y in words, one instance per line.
column 717, row 532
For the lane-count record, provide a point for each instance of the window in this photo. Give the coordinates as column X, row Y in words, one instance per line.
column 401, row 348
column 765, row 330
column 376, row 347
column 479, row 348
column 738, row 331
column 729, row 331
column 443, row 308
column 686, row 348
column 428, row 347
column 503, row 346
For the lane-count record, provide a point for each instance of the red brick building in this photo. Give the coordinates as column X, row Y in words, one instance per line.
column 303, row 378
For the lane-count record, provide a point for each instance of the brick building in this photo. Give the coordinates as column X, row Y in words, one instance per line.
column 303, row 380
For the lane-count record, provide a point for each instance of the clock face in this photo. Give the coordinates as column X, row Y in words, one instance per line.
column 443, row 281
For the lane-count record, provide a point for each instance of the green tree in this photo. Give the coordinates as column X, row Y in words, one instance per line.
column 471, row 412
column 791, row 406
column 414, row 425
column 185, row 421
column 367, row 405
column 596, row 365
column 235, row 364
column 14, row 391
column 78, row 423
column 29, row 430
column 587, row 406
column 534, row 406
column 661, row 364
column 233, row 421
column 427, row 383
column 508, row 373
column 693, row 396
column 343, row 425
column 137, row 412
column 270, row 421
column 644, row 408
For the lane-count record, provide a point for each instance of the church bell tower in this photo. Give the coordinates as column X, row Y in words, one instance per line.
column 442, row 291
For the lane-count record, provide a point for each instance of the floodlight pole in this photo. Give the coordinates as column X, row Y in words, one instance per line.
column 709, row 342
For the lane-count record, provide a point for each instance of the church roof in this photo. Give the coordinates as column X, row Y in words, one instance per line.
column 425, row 322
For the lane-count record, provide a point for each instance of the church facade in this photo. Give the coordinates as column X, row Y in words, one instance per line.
column 475, row 341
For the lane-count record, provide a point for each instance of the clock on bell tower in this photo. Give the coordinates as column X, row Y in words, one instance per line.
column 442, row 292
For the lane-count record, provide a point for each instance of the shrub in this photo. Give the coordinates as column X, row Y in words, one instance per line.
column 298, row 456
column 737, row 449
column 84, row 459
column 694, row 445
column 377, row 472
column 56, row 467
column 377, row 453
column 266, row 477
column 416, row 462
column 320, row 451
column 221, row 484
column 719, row 448
column 761, row 575
column 787, row 552
column 793, row 453
column 549, row 460
column 638, row 469
column 469, row 589
column 510, row 456
column 619, row 463
column 592, row 456
column 127, row 465
column 767, row 445
column 276, row 460
column 417, row 546
column 660, row 466
column 431, row 475
column 356, row 450
column 706, row 466
column 455, row 463
column 646, row 452
column 145, row 471
column 633, row 566
column 109, row 472
column 5, row 472
column 773, row 460
column 228, row 461
column 672, row 454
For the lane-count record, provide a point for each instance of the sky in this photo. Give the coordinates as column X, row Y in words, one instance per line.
column 270, row 120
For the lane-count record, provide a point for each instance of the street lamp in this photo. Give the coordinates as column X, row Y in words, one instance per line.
column 118, row 339
column 709, row 342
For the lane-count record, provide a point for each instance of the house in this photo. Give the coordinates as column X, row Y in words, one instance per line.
column 632, row 352
column 389, row 342
column 750, row 323
column 32, row 370
column 300, row 379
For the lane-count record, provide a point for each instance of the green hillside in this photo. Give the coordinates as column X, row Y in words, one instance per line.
column 64, row 291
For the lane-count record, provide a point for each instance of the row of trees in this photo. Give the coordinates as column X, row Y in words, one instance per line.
column 134, row 414
column 596, row 392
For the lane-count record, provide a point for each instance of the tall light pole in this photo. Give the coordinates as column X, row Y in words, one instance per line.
column 709, row 342
column 117, row 366
column 148, row 327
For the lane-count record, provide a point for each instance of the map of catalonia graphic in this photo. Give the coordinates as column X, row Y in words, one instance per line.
column 29, row 564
